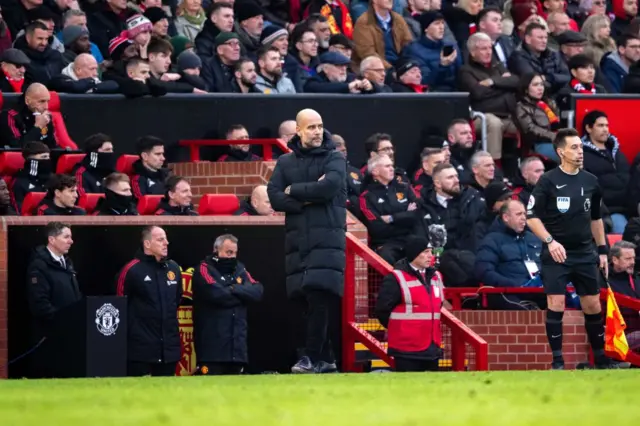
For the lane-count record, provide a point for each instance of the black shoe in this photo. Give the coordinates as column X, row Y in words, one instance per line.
column 610, row 364
column 557, row 365
column 304, row 366
column 323, row 367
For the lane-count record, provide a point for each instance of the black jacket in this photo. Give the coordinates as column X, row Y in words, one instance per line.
column 400, row 173
column 171, row 86
column 234, row 154
column 549, row 64
column 8, row 210
column 320, row 83
column 620, row 283
column 460, row 159
column 377, row 200
column 246, row 209
column 17, row 126
column 16, row 16
column 354, row 184
column 421, row 180
column 631, row 82
column 611, row 167
column 164, row 209
column 193, row 81
column 506, row 43
column 220, row 300
column 64, row 84
column 146, row 182
column 109, row 206
column 6, row 87
column 44, row 65
column 31, row 178
column 206, row 40
column 214, row 75
column 105, row 25
column 153, row 290
column 48, row 208
column 316, row 215
column 90, row 172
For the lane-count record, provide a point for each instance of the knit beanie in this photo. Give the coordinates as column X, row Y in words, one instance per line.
column 138, row 24
column 155, row 14
column 188, row 60
column 246, row 9
column 271, row 34
column 180, row 43
column 71, row 33
column 521, row 12
column 414, row 246
column 117, row 47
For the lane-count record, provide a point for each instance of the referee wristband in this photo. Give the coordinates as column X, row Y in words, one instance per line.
column 603, row 250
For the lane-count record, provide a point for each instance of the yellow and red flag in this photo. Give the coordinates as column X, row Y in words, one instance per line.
column 615, row 340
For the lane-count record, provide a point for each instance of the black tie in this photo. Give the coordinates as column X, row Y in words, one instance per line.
column 62, row 263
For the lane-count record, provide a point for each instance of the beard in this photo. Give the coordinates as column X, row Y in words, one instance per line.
column 247, row 82
column 453, row 191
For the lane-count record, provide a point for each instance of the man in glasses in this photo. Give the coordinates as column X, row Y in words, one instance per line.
column 218, row 71
column 381, row 144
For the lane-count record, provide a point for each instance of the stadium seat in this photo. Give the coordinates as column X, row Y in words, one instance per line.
column 61, row 133
column 218, row 205
column 10, row 163
column 89, row 201
column 31, row 201
column 148, row 204
column 614, row 238
column 125, row 164
column 67, row 162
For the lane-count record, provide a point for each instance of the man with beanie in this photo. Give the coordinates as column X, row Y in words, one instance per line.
column 98, row 162
column 277, row 37
column 220, row 20
column 13, row 68
column 409, row 78
column 409, row 305
column 34, row 175
column 139, row 32
column 159, row 20
column 81, row 76
column 270, row 79
column 189, row 65
column 76, row 41
column 439, row 62
column 217, row 71
column 180, row 44
column 118, row 199
column 249, row 25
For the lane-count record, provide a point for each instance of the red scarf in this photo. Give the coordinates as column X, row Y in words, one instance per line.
column 473, row 28
column 553, row 118
column 15, row 84
column 418, row 88
column 580, row 88
column 346, row 26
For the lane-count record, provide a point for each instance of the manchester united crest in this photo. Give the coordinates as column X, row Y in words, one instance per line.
column 401, row 197
column 239, row 280
column 107, row 319
column 171, row 276
column 354, row 175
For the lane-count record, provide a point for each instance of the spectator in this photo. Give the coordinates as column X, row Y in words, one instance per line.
column 76, row 17
column 509, row 256
column 537, row 116
column 270, row 78
column 391, row 220
column 81, row 76
column 29, row 121
column 320, row 27
column 6, row 208
column 149, row 175
column 461, row 146
column 13, row 65
column 410, row 14
column 189, row 66
column 490, row 23
column 160, row 21
column 190, row 18
column 139, row 32
column 51, row 286
column 439, row 63
column 622, row 276
column 249, row 25
column 597, row 28
column 45, row 17
column 409, row 78
column 571, row 44
column 277, row 37
column 341, row 44
column 604, row 159
column 245, row 76
column 144, row 5
column 558, row 23
column 108, row 22
column 495, row 195
column 381, row 32
column 615, row 65
column 381, row 143
column 301, row 64
column 354, row 177
column 99, row 162
column 16, row 14
column 118, row 198
column 462, row 19
column 257, row 205
column 122, row 51
column 535, row 57
column 137, row 81
column 34, row 175
column 177, row 199
column 287, row 130
column 583, row 75
column 484, row 170
column 159, row 52
column 332, row 77
column 492, row 91
column 45, row 61
column 76, row 41
column 220, row 21
column 624, row 11
column 336, row 14
column 217, row 71
column 62, row 194
column 372, row 70
column 222, row 291
column 181, row 44
column 430, row 158
column 524, row 14
column 531, row 168
column 238, row 152
column 152, row 284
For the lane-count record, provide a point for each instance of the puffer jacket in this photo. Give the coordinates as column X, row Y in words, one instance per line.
column 549, row 64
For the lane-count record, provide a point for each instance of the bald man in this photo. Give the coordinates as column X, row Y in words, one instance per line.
column 287, row 130
column 308, row 185
column 257, row 205
column 81, row 76
column 29, row 121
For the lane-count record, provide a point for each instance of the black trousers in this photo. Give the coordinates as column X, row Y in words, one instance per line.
column 323, row 324
column 414, row 365
column 137, row 369
column 391, row 251
column 219, row 369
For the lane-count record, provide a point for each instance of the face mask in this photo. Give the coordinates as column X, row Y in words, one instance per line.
column 39, row 168
column 118, row 202
column 227, row 265
column 102, row 161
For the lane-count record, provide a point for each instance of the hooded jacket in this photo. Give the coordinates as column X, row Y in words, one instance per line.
column 147, row 182
column 93, row 168
column 281, row 85
column 614, row 70
column 31, row 178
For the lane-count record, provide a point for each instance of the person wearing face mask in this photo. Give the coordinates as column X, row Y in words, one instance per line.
column 61, row 198
column 177, row 200
column 222, row 291
column 98, row 162
column 34, row 175
column 257, row 205
column 118, row 199
column 148, row 174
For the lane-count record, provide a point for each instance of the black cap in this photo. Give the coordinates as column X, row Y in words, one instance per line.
column 496, row 191
column 246, row 9
column 404, row 65
column 414, row 246
column 428, row 18
column 15, row 57
column 342, row 40
column 334, row 58
column 570, row 37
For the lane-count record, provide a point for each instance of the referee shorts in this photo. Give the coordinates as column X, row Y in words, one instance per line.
column 585, row 278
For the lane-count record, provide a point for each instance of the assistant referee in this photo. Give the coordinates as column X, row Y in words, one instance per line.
column 564, row 211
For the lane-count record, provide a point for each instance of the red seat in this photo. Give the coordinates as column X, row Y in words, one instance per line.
column 148, row 204
column 10, row 163
column 125, row 164
column 67, row 162
column 218, row 205
column 614, row 238
column 60, row 129
column 89, row 201
column 31, row 201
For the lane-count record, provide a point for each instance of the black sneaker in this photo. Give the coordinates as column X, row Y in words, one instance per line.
column 557, row 365
column 304, row 366
column 323, row 367
column 611, row 364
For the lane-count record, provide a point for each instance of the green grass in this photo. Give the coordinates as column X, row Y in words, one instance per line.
column 498, row 398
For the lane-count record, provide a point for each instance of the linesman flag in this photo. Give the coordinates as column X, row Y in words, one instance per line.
column 615, row 340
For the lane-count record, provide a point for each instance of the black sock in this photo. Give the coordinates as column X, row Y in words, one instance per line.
column 595, row 332
column 554, row 333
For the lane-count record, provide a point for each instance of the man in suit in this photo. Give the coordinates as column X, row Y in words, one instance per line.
column 490, row 23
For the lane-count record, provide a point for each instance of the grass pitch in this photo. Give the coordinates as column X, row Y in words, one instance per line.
column 497, row 398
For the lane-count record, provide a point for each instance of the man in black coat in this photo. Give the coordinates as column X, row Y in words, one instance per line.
column 149, row 175
column 51, row 286
column 308, row 184
column 98, row 162
column 118, row 198
column 46, row 62
column 220, row 20
column 177, row 199
column 61, row 198
column 222, row 291
column 218, row 70
column 34, row 175
column 153, row 286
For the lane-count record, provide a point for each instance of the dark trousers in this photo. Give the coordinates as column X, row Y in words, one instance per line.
column 136, row 369
column 323, row 324
column 219, row 369
column 391, row 251
column 414, row 365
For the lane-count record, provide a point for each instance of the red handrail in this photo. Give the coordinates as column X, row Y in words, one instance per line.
column 267, row 145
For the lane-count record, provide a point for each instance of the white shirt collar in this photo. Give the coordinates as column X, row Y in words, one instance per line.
column 420, row 271
column 442, row 200
column 55, row 257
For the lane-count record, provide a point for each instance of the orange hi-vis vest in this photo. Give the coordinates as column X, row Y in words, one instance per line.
column 415, row 323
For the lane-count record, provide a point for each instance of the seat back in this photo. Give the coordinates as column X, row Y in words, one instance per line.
column 10, row 163
column 148, row 204
column 218, row 205
column 614, row 238
column 60, row 128
column 89, row 201
column 67, row 162
column 31, row 201
column 125, row 163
